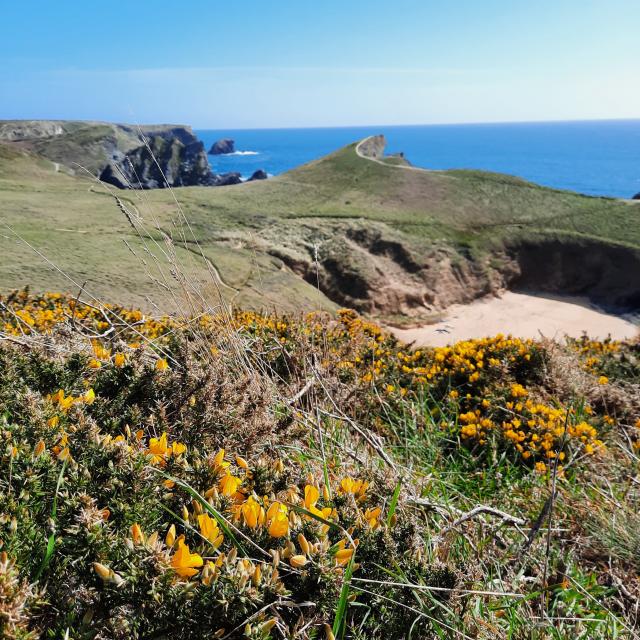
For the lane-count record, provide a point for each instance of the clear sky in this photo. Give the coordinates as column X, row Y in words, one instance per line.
column 279, row 63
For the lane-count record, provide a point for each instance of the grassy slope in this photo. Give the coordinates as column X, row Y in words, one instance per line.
column 79, row 226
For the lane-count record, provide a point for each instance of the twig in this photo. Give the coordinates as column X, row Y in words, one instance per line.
column 302, row 391
column 4, row 336
column 476, row 511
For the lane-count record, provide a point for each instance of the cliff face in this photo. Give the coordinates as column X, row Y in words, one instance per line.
column 130, row 157
column 173, row 157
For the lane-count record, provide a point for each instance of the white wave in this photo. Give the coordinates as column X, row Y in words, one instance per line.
column 242, row 153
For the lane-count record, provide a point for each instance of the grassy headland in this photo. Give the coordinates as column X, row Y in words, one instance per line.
column 388, row 239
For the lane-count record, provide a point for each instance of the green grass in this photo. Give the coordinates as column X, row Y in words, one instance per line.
column 242, row 229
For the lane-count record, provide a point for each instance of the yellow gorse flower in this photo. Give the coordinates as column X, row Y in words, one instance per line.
column 210, row 530
column 357, row 488
column 343, row 556
column 298, row 561
column 229, row 484
column 161, row 364
column 278, row 518
column 253, row 513
column 160, row 449
column 136, row 533
column 185, row 563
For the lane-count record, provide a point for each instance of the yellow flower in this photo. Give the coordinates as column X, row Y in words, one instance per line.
column 100, row 352
column 171, row 536
column 603, row 380
column 311, row 495
column 253, row 513
column 158, row 448
column 89, row 396
column 107, row 575
column 372, row 517
column 518, row 391
column 356, row 487
column 229, row 484
column 136, row 533
column 119, row 360
column 178, row 448
column 103, row 571
column 343, row 556
column 278, row 520
column 161, row 364
column 219, row 462
column 185, row 563
column 242, row 463
column 210, row 530
column 64, row 454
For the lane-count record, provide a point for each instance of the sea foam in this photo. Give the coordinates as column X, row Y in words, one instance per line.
column 242, row 153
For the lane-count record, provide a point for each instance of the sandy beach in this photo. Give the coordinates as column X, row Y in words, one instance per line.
column 522, row 315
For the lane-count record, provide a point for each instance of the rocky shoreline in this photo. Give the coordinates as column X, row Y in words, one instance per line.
column 125, row 156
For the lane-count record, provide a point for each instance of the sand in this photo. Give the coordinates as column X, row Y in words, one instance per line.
column 522, row 315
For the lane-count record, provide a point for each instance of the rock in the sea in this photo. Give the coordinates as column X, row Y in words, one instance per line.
column 225, row 179
column 260, row 174
column 637, row 196
column 226, row 145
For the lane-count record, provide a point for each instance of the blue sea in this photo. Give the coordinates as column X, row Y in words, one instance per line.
column 600, row 158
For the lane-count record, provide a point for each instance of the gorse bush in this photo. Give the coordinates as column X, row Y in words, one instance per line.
column 255, row 476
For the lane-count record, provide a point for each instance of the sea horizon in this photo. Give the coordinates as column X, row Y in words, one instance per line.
column 595, row 157
column 414, row 124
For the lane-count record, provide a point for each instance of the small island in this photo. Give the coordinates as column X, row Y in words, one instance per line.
column 222, row 147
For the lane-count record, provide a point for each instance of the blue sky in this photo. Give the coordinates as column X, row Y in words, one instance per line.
column 280, row 63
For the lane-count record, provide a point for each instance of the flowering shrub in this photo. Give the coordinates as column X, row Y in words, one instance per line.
column 153, row 482
column 484, row 388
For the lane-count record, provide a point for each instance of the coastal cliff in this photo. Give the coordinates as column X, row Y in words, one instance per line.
column 126, row 156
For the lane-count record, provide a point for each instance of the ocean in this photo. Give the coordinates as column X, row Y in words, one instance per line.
column 599, row 158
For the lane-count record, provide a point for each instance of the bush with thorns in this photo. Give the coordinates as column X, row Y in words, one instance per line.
column 253, row 476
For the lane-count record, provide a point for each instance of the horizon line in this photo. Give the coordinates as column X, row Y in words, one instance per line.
column 340, row 126
column 417, row 124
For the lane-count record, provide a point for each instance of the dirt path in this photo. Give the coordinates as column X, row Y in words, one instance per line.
column 406, row 167
column 522, row 315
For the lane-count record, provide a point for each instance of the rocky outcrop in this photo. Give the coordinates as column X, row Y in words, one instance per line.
column 126, row 156
column 222, row 147
column 636, row 197
column 171, row 158
column 227, row 179
column 372, row 147
column 371, row 268
column 16, row 130
column 260, row 174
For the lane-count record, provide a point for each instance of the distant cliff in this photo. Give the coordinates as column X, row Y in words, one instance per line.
column 126, row 156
